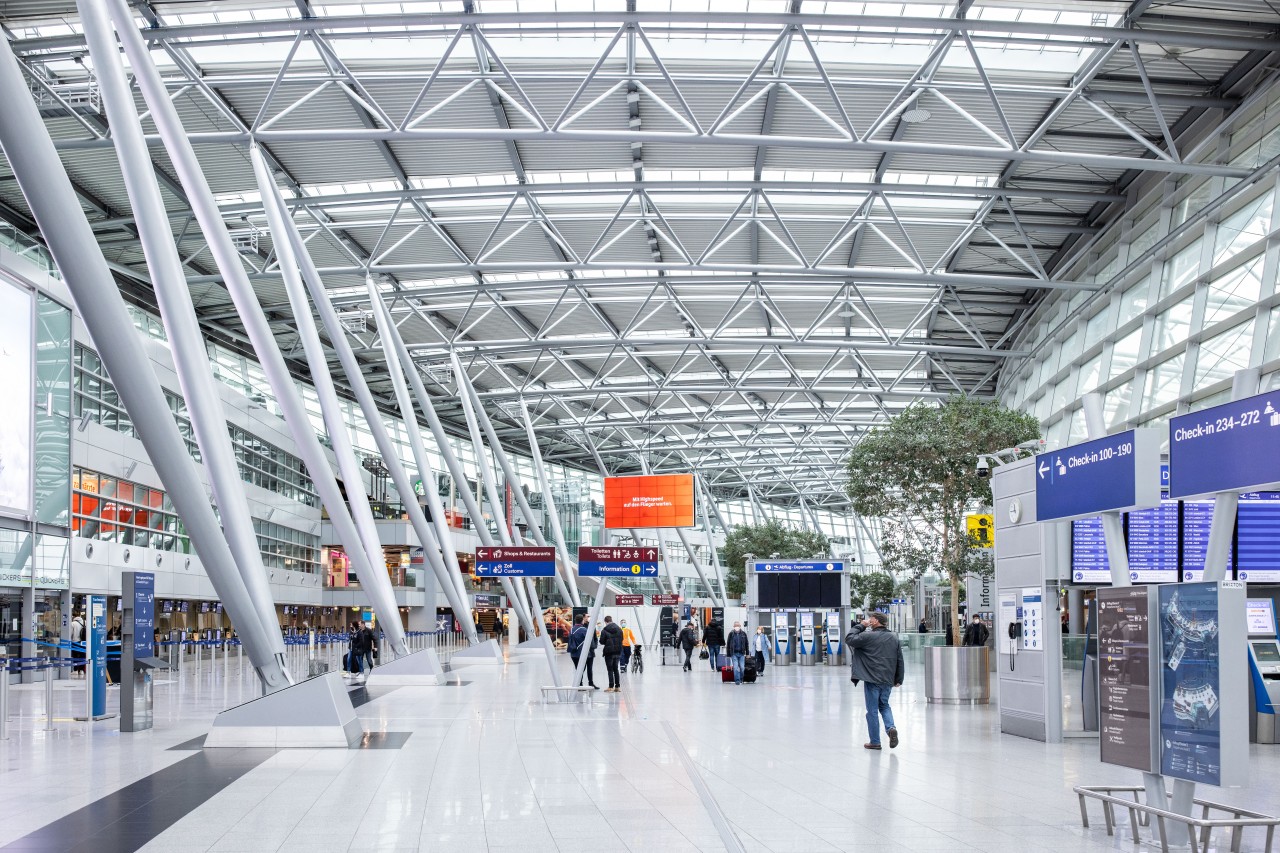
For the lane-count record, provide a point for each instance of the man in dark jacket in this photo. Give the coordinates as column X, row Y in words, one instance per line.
column 611, row 640
column 976, row 633
column 687, row 639
column 713, row 636
column 877, row 663
column 737, row 647
column 577, row 644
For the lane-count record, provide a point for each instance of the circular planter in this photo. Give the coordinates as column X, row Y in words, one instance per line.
column 957, row 675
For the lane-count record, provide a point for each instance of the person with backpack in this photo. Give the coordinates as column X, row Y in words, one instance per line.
column 77, row 636
column 611, row 640
column 628, row 643
column 976, row 633
column 577, row 640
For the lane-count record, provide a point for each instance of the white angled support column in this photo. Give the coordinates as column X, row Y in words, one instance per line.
column 557, row 530
column 355, row 378
column 44, row 183
column 206, row 211
column 365, row 548
column 455, row 467
column 711, row 539
column 191, row 359
column 426, row 471
column 508, row 470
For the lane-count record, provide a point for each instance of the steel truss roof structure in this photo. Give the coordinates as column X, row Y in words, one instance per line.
column 730, row 241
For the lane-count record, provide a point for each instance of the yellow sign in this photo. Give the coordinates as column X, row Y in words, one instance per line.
column 981, row 529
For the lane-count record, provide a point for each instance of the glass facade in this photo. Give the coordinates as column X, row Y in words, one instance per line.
column 286, row 548
column 1186, row 295
column 261, row 463
column 114, row 510
column 52, row 479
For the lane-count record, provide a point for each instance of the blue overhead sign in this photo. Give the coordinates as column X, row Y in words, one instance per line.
column 1234, row 447
column 515, row 562
column 1117, row 473
column 800, row 565
column 617, row 562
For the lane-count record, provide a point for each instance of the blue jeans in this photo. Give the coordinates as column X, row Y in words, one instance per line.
column 715, row 656
column 739, row 662
column 877, row 696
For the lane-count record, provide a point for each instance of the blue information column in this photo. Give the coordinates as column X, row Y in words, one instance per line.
column 98, row 655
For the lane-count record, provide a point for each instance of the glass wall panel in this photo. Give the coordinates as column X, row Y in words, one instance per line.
column 1164, row 382
column 1125, row 354
column 53, row 413
column 1222, row 355
column 1243, row 228
column 1173, row 326
column 1234, row 291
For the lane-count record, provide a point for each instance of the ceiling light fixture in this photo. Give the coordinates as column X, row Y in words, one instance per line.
column 916, row 115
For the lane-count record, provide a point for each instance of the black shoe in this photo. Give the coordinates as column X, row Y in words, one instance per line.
column 893, row 738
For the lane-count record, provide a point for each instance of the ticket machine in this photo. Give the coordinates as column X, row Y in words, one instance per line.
column 834, row 639
column 1264, row 670
column 783, row 641
column 806, row 639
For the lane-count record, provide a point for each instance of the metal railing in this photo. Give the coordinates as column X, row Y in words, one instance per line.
column 1140, row 814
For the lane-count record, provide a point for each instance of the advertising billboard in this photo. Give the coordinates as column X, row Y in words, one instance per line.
column 653, row 500
column 16, row 387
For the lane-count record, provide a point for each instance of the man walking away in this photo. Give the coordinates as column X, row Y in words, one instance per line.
column 877, row 663
column 976, row 633
column 577, row 639
column 714, row 638
column 737, row 646
column 77, row 636
column 368, row 647
column 591, row 653
column 688, row 639
column 761, row 642
column 628, row 640
column 611, row 640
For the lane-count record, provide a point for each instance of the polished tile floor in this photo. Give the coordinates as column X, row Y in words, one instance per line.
column 675, row 762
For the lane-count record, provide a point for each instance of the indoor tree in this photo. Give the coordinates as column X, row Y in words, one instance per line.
column 766, row 540
column 918, row 474
column 875, row 587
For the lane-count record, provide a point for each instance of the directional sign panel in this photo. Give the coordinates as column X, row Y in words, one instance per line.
column 1119, row 472
column 515, row 562
column 1234, row 447
column 617, row 562
column 800, row 566
column 628, row 600
column 664, row 599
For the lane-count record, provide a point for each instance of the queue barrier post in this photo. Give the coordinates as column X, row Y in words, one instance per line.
column 4, row 697
column 48, row 696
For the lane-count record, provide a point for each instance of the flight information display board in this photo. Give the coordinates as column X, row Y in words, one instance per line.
column 1258, row 532
column 1197, row 518
column 1089, row 564
column 1153, row 544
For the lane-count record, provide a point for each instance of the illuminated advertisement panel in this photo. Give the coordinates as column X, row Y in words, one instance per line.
column 657, row 500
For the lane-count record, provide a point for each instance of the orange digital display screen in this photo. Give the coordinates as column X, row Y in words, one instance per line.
column 655, row 500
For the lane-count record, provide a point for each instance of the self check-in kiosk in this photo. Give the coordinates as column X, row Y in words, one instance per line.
column 804, row 604
column 1264, row 670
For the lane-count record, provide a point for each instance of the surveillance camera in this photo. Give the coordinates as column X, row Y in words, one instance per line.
column 984, row 468
column 1035, row 444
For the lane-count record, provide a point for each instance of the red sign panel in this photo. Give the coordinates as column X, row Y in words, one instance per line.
column 665, row 599
column 628, row 600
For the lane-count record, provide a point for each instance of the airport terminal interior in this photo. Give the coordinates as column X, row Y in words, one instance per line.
column 743, row 425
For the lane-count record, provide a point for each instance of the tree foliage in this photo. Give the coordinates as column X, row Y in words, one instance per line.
column 879, row 587
column 765, row 540
column 918, row 474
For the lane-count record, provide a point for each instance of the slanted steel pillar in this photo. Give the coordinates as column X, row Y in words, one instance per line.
column 186, row 341
column 465, row 386
column 44, row 182
column 570, row 561
column 711, row 541
column 515, row 591
column 455, row 466
column 354, row 518
column 206, row 211
column 426, row 471
column 355, row 378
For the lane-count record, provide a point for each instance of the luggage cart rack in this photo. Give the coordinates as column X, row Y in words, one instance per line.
column 1140, row 814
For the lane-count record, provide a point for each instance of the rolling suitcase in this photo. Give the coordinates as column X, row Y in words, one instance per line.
column 749, row 672
column 726, row 674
